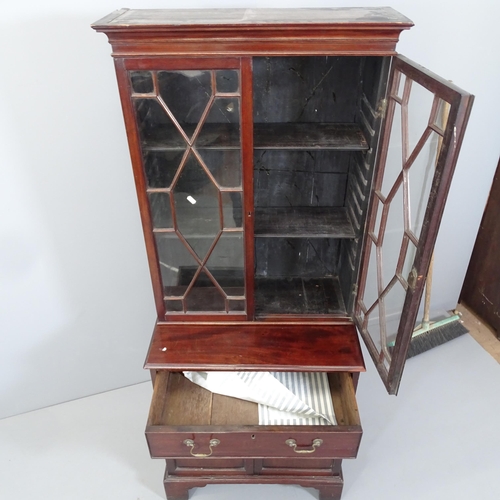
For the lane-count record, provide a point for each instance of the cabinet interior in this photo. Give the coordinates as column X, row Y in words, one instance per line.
column 179, row 402
column 312, row 178
column 316, row 124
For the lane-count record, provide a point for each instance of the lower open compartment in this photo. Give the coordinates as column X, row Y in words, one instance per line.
column 208, row 438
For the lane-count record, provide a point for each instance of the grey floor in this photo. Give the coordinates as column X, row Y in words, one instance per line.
column 439, row 439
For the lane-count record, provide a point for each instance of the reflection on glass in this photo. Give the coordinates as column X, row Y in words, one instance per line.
column 421, row 175
column 227, row 80
column 142, row 82
column 394, row 162
column 393, row 304
column 393, row 238
column 402, row 82
column 226, row 263
column 190, row 238
column 160, row 210
column 197, row 207
column 161, row 166
column 231, row 209
column 224, row 165
column 173, row 305
column 419, row 109
column 176, row 264
column 237, row 305
column 221, row 128
column 156, row 128
column 204, row 296
column 186, row 94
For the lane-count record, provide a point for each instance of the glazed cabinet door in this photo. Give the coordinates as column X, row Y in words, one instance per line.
column 186, row 129
column 424, row 126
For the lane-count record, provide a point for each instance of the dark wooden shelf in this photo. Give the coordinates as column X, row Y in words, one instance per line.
column 338, row 136
column 298, row 296
column 291, row 136
column 303, row 222
column 250, row 346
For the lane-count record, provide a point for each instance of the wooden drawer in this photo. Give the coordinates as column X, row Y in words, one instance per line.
column 186, row 421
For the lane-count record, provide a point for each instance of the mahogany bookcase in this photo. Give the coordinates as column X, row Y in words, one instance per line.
column 291, row 171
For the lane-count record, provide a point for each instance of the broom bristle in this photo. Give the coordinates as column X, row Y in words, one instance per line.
column 435, row 337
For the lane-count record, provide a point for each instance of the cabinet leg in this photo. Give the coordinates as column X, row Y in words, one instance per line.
column 330, row 492
column 176, row 491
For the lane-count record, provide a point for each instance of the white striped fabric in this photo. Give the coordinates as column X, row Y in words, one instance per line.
column 313, row 390
column 284, row 398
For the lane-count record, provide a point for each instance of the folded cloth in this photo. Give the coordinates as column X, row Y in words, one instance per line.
column 284, row 398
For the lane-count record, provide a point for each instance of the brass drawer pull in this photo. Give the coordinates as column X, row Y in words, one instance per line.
column 293, row 444
column 190, row 443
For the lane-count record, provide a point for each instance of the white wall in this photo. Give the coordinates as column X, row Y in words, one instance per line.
column 75, row 297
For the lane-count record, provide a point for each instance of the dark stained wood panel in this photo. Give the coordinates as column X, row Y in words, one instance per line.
column 303, row 222
column 249, row 346
column 297, row 136
column 298, row 296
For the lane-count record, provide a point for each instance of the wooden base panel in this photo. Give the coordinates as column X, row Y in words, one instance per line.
column 329, row 488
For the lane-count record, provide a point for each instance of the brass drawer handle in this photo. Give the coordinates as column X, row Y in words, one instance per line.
column 293, row 444
column 190, row 443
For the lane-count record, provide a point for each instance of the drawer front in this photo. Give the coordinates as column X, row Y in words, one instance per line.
column 203, row 467
column 339, row 442
column 297, row 467
column 209, row 466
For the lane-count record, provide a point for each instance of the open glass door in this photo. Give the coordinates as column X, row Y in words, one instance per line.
column 425, row 122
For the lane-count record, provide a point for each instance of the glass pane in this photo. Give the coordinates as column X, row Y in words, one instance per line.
column 419, row 110
column 227, row 80
column 401, row 86
column 224, row 165
column 142, row 82
column 222, row 126
column 226, row 263
column 204, row 296
column 441, row 118
column 421, row 174
column 394, row 161
column 160, row 210
column 161, row 166
column 156, row 129
column 177, row 265
column 173, row 305
column 186, row 94
column 370, row 293
column 393, row 238
column 197, row 207
column 237, row 305
column 231, row 209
